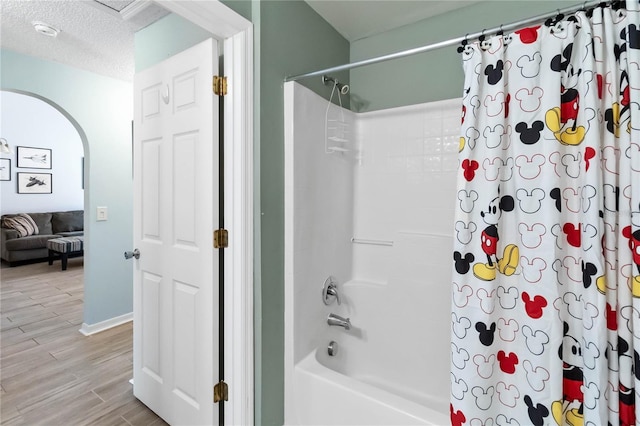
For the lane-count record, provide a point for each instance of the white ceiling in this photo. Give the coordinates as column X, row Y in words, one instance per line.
column 356, row 19
column 97, row 35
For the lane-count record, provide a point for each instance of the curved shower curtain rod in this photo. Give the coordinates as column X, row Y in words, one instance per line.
column 450, row 42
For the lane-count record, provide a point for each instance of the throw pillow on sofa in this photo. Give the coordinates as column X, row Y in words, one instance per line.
column 23, row 223
column 67, row 221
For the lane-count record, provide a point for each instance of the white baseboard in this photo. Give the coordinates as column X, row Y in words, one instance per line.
column 88, row 330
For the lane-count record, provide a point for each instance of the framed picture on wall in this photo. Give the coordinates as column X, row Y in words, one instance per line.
column 34, row 158
column 34, row 183
column 5, row 169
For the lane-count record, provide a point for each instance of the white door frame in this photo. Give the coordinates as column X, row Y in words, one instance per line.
column 237, row 34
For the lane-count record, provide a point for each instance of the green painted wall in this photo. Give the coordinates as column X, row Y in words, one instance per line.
column 166, row 37
column 434, row 75
column 102, row 107
column 293, row 39
column 289, row 38
column 241, row 7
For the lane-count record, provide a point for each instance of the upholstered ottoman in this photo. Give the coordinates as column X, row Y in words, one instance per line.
column 64, row 247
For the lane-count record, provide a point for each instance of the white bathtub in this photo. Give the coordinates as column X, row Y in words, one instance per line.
column 326, row 397
column 387, row 371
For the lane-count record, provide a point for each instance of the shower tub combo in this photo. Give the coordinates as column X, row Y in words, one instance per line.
column 369, row 201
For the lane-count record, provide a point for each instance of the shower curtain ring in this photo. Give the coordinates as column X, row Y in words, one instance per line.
column 463, row 44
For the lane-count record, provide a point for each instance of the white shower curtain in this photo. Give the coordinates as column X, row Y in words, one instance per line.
column 546, row 314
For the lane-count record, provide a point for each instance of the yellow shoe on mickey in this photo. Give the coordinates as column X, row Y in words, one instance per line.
column 601, row 284
column 484, row 271
column 615, row 110
column 635, row 285
column 461, row 146
column 572, row 136
column 509, row 262
column 556, row 411
column 575, row 418
column 552, row 118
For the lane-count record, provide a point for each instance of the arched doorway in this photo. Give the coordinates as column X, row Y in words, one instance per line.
column 31, row 121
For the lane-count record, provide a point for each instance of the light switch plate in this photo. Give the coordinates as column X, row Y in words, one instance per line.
column 101, row 213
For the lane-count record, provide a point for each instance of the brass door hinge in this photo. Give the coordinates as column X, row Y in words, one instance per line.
column 220, row 392
column 220, row 238
column 219, row 85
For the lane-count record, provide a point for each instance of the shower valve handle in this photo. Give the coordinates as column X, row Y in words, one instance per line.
column 330, row 291
column 333, row 291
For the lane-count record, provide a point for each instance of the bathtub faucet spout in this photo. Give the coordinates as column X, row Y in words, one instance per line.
column 337, row 320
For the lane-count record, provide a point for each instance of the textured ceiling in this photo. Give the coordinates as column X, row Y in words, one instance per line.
column 92, row 36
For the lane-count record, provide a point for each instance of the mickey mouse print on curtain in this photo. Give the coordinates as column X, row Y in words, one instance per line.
column 546, row 263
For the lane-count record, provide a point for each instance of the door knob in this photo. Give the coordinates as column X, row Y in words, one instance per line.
column 129, row 254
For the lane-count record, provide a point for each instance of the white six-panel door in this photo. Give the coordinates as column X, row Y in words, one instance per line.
column 175, row 352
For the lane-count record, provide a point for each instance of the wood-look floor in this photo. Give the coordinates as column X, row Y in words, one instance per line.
column 50, row 374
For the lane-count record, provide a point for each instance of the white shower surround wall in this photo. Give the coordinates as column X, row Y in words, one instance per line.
column 396, row 184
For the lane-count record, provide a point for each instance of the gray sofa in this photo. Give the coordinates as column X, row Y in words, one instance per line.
column 16, row 250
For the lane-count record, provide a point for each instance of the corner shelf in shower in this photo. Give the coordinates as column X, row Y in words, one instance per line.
column 336, row 128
